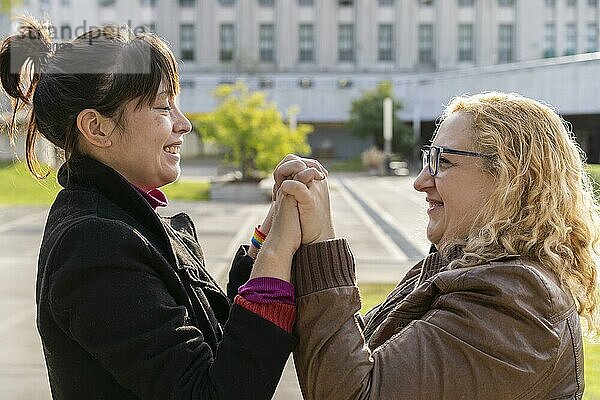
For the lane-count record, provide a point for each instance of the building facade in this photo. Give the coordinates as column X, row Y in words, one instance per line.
column 320, row 54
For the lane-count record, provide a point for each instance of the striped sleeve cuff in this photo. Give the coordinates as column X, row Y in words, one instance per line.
column 267, row 289
column 281, row 314
column 323, row 265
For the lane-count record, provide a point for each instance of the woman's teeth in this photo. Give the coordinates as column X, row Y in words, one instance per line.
column 172, row 149
column 434, row 204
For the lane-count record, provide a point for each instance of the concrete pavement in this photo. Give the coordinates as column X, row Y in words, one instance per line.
column 383, row 218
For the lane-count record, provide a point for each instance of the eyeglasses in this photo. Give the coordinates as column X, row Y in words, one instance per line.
column 431, row 156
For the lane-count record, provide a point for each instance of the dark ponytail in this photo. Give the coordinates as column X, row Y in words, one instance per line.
column 103, row 69
column 22, row 58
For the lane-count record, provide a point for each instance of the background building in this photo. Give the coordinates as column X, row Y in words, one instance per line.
column 320, row 54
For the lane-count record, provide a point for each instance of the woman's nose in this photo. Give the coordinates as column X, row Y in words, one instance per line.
column 182, row 124
column 424, row 180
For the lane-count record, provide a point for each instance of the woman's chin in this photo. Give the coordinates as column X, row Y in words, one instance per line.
column 433, row 236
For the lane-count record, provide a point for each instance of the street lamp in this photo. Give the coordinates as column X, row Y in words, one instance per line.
column 387, row 126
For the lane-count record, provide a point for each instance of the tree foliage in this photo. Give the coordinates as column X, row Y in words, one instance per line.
column 251, row 130
column 366, row 118
column 6, row 6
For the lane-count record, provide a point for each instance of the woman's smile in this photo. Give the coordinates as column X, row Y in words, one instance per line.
column 173, row 149
column 433, row 205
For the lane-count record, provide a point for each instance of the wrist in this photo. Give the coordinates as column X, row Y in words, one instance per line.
column 323, row 236
column 256, row 241
column 252, row 251
column 328, row 234
column 271, row 263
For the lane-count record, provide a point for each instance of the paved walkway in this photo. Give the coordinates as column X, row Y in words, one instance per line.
column 383, row 218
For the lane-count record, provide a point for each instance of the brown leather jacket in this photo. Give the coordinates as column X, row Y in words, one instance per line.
column 503, row 330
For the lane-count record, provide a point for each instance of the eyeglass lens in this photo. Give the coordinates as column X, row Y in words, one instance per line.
column 430, row 160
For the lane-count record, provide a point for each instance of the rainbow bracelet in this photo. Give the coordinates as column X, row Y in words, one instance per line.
column 258, row 238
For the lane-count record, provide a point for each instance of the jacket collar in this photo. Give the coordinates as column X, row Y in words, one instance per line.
column 87, row 172
column 437, row 261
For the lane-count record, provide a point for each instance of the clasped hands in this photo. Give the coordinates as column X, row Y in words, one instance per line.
column 300, row 214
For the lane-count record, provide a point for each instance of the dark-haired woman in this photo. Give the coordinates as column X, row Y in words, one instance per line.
column 125, row 306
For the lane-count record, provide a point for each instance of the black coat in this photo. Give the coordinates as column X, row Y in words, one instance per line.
column 126, row 308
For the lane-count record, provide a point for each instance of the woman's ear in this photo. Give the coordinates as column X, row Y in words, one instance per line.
column 95, row 128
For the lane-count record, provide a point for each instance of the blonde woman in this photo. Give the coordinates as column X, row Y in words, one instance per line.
column 493, row 312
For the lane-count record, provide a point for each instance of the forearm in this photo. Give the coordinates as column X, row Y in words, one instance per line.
column 331, row 358
column 272, row 263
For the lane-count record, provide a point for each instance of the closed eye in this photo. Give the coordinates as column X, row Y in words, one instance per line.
column 167, row 108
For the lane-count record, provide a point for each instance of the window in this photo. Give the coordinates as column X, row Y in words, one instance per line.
column 266, row 3
column 549, row 40
column 346, row 2
column 306, row 2
column 227, row 2
column 550, row 3
column 506, row 3
column 106, row 3
column 187, row 3
column 266, row 43
column 505, row 43
column 187, row 84
column 306, row 43
column 465, row 42
column 386, row 42
column 346, row 42
column 65, row 2
column 227, row 38
column 425, row 44
column 187, row 41
column 571, row 39
column 386, row 2
column 148, row 3
column 266, row 83
column 465, row 3
column 425, row 3
column 305, row 83
column 592, row 3
column 145, row 28
column 344, row 83
column 591, row 37
column 571, row 3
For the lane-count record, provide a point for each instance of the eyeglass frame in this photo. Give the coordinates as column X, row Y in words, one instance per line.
column 426, row 152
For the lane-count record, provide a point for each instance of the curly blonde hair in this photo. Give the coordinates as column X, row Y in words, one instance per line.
column 543, row 207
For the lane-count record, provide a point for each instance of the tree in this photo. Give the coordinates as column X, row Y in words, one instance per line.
column 251, row 130
column 366, row 118
column 6, row 6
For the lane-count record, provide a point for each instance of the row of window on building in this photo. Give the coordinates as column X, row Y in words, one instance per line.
column 385, row 46
column 269, row 3
column 345, row 3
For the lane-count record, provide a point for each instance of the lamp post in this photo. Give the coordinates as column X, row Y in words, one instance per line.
column 387, row 134
column 387, row 126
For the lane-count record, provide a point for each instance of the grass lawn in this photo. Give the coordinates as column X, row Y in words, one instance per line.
column 18, row 187
column 188, row 190
column 350, row 165
column 592, row 371
column 373, row 294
